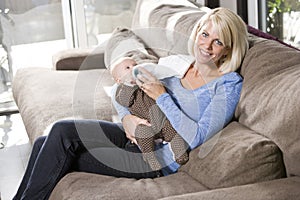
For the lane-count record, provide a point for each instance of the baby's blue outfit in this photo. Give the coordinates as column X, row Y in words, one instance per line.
column 196, row 115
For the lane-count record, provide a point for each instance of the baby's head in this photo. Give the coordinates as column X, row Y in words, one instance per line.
column 121, row 70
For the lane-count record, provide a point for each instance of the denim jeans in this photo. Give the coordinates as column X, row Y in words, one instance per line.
column 80, row 145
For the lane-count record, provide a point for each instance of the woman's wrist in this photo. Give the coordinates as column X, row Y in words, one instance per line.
column 124, row 117
column 160, row 98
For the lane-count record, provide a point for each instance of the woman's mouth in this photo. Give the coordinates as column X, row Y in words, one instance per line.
column 205, row 53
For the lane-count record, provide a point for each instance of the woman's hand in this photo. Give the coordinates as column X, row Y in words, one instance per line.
column 130, row 122
column 149, row 84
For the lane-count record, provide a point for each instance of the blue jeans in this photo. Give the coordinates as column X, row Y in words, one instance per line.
column 80, row 145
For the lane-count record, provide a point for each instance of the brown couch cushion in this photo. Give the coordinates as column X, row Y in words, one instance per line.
column 235, row 156
column 280, row 189
column 124, row 43
column 269, row 101
column 45, row 96
column 94, row 187
column 79, row 59
column 165, row 26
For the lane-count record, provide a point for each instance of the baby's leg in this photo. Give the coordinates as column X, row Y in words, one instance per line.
column 160, row 124
column 145, row 138
column 178, row 145
column 157, row 118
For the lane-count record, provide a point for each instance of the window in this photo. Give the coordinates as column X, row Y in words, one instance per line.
column 93, row 20
column 280, row 18
column 30, row 32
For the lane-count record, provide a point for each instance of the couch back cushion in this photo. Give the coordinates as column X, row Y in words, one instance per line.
column 235, row 156
column 165, row 25
column 125, row 43
column 269, row 102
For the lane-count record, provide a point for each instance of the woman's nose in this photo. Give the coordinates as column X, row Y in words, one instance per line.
column 208, row 44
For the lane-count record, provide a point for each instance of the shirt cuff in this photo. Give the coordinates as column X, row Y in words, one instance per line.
column 160, row 100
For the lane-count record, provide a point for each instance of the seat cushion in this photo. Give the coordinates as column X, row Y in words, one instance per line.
column 78, row 185
column 286, row 188
column 235, row 156
column 45, row 96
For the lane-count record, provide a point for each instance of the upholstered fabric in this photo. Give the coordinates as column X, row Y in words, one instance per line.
column 45, row 96
column 79, row 59
column 124, row 43
column 280, row 189
column 236, row 156
column 95, row 187
column 165, row 26
column 144, row 8
column 269, row 101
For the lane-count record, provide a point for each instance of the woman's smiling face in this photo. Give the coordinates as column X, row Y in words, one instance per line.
column 208, row 45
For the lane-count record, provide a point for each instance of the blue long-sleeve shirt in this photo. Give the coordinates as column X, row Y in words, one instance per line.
column 197, row 114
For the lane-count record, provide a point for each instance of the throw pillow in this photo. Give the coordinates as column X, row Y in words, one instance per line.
column 235, row 156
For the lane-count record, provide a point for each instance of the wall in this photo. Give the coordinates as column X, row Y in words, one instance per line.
column 229, row 4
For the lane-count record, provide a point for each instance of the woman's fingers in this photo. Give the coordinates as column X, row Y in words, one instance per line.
column 150, row 84
column 144, row 122
column 139, row 83
column 145, row 79
column 134, row 141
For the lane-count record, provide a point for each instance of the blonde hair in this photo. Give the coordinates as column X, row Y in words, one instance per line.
column 232, row 32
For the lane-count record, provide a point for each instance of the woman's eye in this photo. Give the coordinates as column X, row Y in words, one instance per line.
column 218, row 42
column 204, row 34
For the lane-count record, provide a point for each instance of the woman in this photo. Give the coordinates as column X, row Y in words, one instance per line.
column 198, row 106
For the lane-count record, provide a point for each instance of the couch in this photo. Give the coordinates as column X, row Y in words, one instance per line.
column 256, row 156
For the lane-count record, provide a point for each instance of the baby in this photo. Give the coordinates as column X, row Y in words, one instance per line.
column 128, row 94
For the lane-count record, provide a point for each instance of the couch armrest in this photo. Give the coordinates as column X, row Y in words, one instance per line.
column 280, row 189
column 75, row 59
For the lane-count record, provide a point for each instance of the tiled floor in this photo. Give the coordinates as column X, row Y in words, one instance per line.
column 14, row 156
